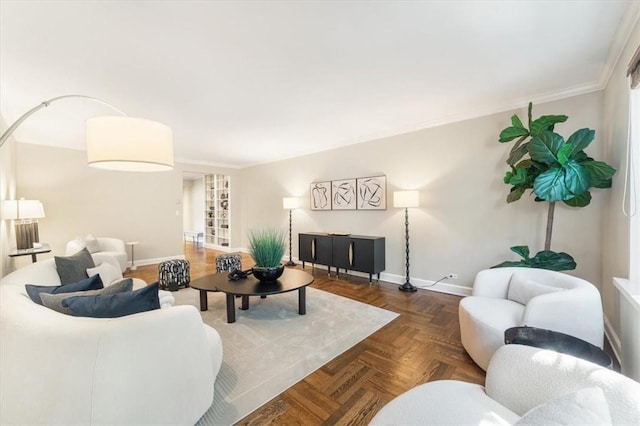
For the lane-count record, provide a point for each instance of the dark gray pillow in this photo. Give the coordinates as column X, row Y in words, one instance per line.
column 91, row 283
column 72, row 269
column 54, row 301
column 114, row 305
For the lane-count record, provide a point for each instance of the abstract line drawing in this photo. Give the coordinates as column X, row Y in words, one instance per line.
column 372, row 193
column 343, row 194
column 320, row 195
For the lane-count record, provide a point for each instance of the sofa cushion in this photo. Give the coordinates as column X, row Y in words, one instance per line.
column 54, row 301
column 586, row 406
column 91, row 243
column 73, row 268
column 91, row 283
column 522, row 289
column 108, row 273
column 114, row 305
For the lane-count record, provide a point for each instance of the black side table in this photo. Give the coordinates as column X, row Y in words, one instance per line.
column 32, row 251
column 559, row 342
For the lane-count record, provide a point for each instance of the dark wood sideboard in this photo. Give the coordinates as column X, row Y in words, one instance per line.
column 349, row 252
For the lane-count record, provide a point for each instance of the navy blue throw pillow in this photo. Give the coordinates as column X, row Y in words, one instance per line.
column 91, row 283
column 114, row 305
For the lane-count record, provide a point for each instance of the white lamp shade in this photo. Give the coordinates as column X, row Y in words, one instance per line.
column 22, row 209
column 406, row 199
column 129, row 144
column 289, row 203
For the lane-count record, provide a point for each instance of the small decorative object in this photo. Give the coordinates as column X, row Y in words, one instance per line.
column 343, row 194
column 267, row 248
column 320, row 195
column 406, row 199
column 372, row 193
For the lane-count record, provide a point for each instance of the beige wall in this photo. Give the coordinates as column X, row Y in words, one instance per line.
column 193, row 205
column 464, row 223
column 615, row 225
column 143, row 207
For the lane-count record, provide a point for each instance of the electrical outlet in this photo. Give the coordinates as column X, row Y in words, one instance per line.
column 452, row 276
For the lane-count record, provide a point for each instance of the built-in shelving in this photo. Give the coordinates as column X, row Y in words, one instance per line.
column 217, row 218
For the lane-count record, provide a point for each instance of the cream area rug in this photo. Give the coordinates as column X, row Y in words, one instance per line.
column 270, row 347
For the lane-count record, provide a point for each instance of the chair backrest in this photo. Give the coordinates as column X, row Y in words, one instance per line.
column 228, row 262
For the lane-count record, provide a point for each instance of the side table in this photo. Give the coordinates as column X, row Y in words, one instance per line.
column 559, row 342
column 131, row 244
column 31, row 251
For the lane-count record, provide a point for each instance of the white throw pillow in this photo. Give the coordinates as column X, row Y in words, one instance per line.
column 91, row 243
column 108, row 273
column 522, row 289
column 586, row 406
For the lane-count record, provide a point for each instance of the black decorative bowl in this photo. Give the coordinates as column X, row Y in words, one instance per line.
column 267, row 274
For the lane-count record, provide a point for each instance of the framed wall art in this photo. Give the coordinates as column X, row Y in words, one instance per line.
column 372, row 193
column 343, row 194
column 320, row 195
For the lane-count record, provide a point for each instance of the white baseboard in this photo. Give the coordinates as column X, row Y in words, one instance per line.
column 614, row 340
column 441, row 287
column 153, row 261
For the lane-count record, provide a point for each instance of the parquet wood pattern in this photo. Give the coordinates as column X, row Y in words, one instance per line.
column 421, row 345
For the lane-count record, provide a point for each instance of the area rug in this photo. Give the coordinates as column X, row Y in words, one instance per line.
column 270, row 347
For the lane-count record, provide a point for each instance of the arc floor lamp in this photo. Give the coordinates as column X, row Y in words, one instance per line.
column 118, row 142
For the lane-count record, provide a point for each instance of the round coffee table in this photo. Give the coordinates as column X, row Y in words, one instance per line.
column 291, row 279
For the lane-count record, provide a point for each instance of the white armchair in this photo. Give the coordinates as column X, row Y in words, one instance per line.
column 520, row 379
column 510, row 297
column 101, row 248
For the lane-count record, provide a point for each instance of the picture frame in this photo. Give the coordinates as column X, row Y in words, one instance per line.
column 343, row 194
column 372, row 193
column 320, row 195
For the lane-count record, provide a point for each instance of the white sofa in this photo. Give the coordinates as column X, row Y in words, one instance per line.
column 519, row 378
column 106, row 247
column 511, row 297
column 156, row 367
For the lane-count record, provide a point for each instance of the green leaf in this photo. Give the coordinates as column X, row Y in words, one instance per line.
column 577, row 178
column 544, row 147
column 519, row 177
column 511, row 264
column 507, row 177
column 545, row 123
column 563, row 153
column 515, row 122
column 550, row 186
column 581, row 200
column 522, row 251
column 517, row 152
column 601, row 173
column 516, row 193
column 580, row 139
column 510, row 133
column 553, row 261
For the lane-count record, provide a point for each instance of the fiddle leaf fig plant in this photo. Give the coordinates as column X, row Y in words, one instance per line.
column 554, row 170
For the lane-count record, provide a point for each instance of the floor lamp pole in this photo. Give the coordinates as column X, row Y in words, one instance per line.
column 290, row 262
column 407, row 286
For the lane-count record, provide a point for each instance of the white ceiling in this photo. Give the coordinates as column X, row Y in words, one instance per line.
column 243, row 83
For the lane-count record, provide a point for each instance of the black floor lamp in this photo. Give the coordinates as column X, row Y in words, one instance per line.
column 406, row 199
column 290, row 203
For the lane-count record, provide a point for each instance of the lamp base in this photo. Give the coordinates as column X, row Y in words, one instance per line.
column 408, row 287
column 290, row 263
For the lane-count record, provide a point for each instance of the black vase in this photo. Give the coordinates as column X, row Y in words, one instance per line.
column 265, row 274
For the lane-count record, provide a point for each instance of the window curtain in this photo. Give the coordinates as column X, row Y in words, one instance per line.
column 634, row 70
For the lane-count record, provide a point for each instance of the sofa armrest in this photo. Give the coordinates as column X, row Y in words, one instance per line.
column 577, row 312
column 111, row 244
column 522, row 377
column 492, row 283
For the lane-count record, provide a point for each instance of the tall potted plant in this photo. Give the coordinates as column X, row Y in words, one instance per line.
column 555, row 170
column 267, row 247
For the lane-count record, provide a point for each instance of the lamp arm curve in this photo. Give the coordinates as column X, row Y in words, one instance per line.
column 46, row 103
